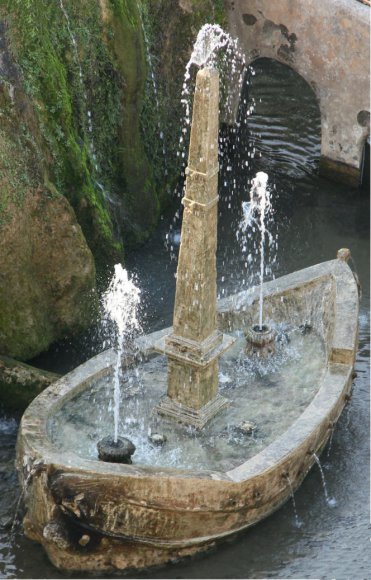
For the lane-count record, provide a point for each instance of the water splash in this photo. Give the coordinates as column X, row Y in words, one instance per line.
column 80, row 423
column 121, row 304
column 331, row 501
column 213, row 48
column 255, row 213
column 210, row 39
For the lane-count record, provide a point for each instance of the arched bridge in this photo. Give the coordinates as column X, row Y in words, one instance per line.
column 328, row 43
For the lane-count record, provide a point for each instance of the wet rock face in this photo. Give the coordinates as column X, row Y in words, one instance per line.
column 174, row 25
column 47, row 272
column 20, row 383
column 48, row 184
column 47, row 276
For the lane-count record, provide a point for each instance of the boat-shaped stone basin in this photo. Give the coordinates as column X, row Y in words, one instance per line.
column 92, row 515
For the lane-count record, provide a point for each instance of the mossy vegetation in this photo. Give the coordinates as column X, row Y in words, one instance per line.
column 19, row 167
column 83, row 67
column 40, row 38
column 106, row 140
column 126, row 42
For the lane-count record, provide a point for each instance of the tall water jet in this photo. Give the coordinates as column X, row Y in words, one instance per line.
column 260, row 337
column 213, row 48
column 120, row 303
column 195, row 344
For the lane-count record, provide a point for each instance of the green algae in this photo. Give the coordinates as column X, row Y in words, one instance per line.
column 106, row 73
column 127, row 44
column 41, row 44
column 101, row 75
column 46, row 145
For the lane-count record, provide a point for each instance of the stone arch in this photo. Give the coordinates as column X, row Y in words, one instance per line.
column 306, row 102
column 327, row 43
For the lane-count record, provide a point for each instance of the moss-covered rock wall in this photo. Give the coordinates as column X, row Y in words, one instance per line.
column 82, row 65
column 75, row 179
column 87, row 148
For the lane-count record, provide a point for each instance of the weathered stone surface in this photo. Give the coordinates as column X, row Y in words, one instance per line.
column 157, row 438
column 195, row 298
column 57, row 534
column 47, row 276
column 246, row 427
column 328, row 44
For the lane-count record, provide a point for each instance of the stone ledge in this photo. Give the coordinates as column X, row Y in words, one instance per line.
column 339, row 171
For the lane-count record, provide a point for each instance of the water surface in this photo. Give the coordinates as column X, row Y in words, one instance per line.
column 269, row 393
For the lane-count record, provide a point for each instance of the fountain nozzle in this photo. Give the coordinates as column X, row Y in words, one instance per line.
column 260, row 340
column 119, row 451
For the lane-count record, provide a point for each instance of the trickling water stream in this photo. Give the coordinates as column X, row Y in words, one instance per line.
column 331, row 501
column 298, row 521
column 154, row 83
column 87, row 111
column 88, row 129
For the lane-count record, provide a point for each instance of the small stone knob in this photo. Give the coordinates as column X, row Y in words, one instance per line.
column 157, row 438
column 343, row 254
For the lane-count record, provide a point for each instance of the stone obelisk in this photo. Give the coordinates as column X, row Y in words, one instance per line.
column 195, row 344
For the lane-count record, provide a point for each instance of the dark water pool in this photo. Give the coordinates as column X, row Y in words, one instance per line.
column 314, row 218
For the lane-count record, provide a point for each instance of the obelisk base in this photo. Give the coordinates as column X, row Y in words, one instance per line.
column 197, row 418
column 193, row 381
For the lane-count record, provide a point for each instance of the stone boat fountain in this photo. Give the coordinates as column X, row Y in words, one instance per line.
column 236, row 441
